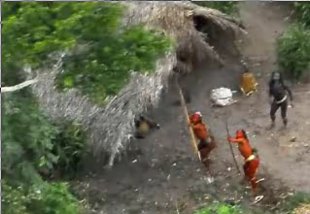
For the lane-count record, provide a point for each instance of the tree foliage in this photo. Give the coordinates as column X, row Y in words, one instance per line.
column 69, row 148
column 293, row 47
column 26, row 139
column 100, row 51
column 302, row 10
column 30, row 142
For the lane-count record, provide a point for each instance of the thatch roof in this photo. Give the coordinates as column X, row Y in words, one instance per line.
column 175, row 19
column 302, row 209
column 109, row 128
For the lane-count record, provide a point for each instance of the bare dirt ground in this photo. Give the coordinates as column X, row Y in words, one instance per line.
column 161, row 174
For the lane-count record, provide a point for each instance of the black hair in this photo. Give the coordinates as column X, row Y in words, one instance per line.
column 244, row 134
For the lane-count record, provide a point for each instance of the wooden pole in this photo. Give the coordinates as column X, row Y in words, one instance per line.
column 193, row 138
column 18, row 86
column 231, row 148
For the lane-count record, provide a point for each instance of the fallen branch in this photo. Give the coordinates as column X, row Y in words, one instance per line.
column 18, row 86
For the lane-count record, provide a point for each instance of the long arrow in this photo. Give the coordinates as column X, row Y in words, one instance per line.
column 231, row 148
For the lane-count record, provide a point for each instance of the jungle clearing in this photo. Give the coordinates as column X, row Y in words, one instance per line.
column 167, row 174
column 76, row 75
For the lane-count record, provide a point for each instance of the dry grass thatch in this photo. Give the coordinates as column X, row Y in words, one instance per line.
column 302, row 209
column 109, row 129
column 175, row 19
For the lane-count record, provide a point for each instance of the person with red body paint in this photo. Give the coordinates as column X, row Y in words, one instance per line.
column 206, row 140
column 250, row 156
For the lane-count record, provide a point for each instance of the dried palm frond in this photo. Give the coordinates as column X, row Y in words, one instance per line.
column 302, row 209
column 175, row 19
column 109, row 128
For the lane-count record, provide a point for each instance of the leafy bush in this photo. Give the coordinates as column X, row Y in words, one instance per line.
column 228, row 7
column 53, row 198
column 31, row 143
column 69, row 147
column 13, row 200
column 296, row 200
column 26, row 139
column 102, row 51
column 219, row 208
column 293, row 51
column 302, row 10
column 43, row 198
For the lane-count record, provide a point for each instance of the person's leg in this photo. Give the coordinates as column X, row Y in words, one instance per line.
column 273, row 109
column 284, row 106
column 251, row 170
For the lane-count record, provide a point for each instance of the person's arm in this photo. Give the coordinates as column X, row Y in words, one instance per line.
column 151, row 122
column 289, row 92
column 234, row 140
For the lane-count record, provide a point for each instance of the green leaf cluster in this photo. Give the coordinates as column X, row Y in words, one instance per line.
column 31, row 145
column 26, row 139
column 302, row 10
column 69, row 148
column 219, row 208
column 293, row 47
column 101, row 51
column 43, row 198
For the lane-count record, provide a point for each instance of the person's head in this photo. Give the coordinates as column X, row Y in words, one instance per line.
column 196, row 117
column 276, row 75
column 241, row 134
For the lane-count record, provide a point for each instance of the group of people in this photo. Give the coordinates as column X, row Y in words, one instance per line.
column 207, row 143
column 278, row 93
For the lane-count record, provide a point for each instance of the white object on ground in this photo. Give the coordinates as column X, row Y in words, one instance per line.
column 222, row 96
column 258, row 199
column 210, row 180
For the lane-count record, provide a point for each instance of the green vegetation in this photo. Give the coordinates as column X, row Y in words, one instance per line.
column 302, row 10
column 32, row 144
column 294, row 45
column 296, row 200
column 26, row 139
column 69, row 148
column 43, row 198
column 100, row 55
column 228, row 7
column 32, row 149
column 294, row 51
column 219, row 208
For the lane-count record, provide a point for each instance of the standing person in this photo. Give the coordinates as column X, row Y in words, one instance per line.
column 279, row 92
column 206, row 140
column 251, row 159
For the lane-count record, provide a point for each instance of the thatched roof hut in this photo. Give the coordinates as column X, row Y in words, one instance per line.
column 109, row 128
